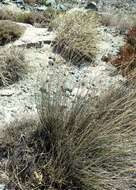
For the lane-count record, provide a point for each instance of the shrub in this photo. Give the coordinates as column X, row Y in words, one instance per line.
column 77, row 36
column 126, row 60
column 12, row 66
column 131, row 37
column 74, row 146
column 9, row 31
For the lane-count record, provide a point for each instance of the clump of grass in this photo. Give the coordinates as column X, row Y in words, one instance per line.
column 9, row 31
column 49, row 15
column 25, row 18
column 43, row 19
column 6, row 14
column 73, row 147
column 77, row 36
column 121, row 21
column 12, row 65
column 126, row 60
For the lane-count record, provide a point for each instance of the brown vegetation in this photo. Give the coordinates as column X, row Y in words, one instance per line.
column 126, row 60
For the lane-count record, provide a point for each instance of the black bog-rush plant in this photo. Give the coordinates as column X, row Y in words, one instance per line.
column 78, row 144
column 77, row 36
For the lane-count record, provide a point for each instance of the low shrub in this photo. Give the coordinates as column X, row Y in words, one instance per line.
column 9, row 31
column 126, row 60
column 12, row 66
column 77, row 36
column 73, row 147
column 131, row 37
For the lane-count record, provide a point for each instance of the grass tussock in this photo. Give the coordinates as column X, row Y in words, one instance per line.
column 73, row 147
column 9, row 32
column 6, row 14
column 121, row 21
column 126, row 60
column 43, row 19
column 12, row 65
column 77, row 36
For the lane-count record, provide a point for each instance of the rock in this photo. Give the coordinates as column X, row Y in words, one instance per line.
column 41, row 8
column 2, row 187
column 72, row 72
column 92, row 6
column 68, row 87
column 52, row 58
column 6, row 92
column 61, row 7
column 6, row 2
column 51, row 62
column 82, row 2
column 20, row 2
column 51, row 3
